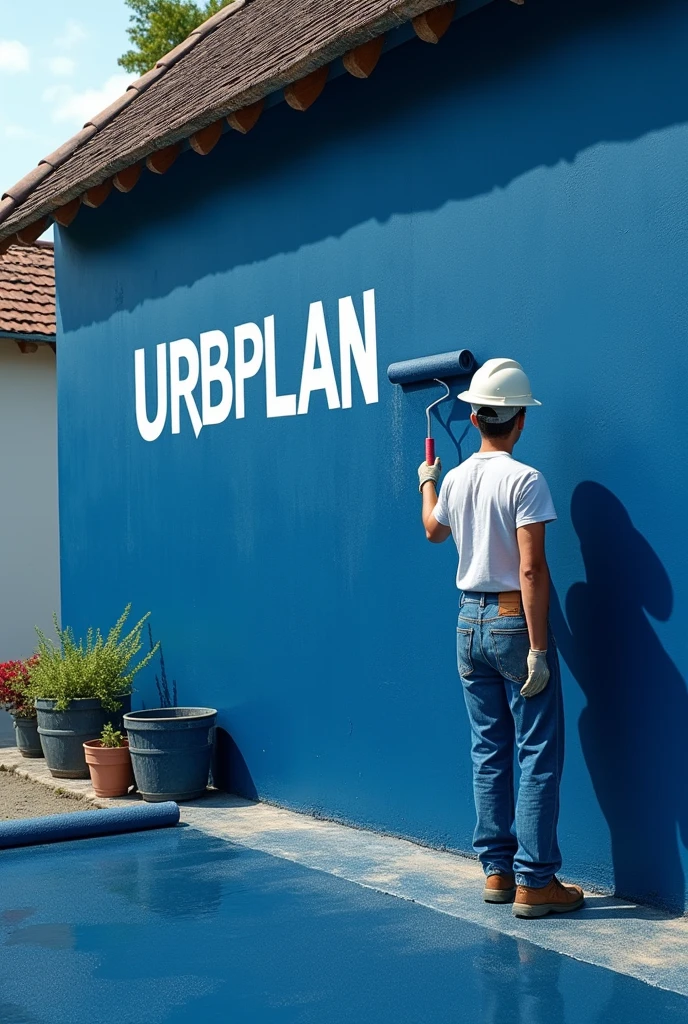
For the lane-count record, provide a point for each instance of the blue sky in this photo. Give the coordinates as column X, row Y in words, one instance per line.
column 58, row 67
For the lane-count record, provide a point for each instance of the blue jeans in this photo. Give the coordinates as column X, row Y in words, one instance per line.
column 492, row 652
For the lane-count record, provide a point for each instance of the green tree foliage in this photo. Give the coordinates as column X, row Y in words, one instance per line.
column 157, row 26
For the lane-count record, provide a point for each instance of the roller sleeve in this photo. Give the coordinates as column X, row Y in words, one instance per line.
column 447, row 364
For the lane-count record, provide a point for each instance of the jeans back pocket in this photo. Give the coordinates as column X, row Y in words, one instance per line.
column 511, row 647
column 464, row 651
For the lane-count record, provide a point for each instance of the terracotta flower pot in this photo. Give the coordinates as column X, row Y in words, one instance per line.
column 110, row 768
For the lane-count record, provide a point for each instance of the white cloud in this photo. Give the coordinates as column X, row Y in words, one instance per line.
column 62, row 66
column 73, row 34
column 14, row 56
column 17, row 131
column 72, row 106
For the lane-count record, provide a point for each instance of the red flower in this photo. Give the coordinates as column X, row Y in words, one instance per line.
column 14, row 681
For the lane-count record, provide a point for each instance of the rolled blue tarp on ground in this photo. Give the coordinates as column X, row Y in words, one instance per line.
column 87, row 824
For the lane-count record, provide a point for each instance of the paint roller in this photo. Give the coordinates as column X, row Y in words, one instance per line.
column 432, row 368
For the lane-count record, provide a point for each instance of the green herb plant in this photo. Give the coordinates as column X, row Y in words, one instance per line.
column 110, row 737
column 99, row 667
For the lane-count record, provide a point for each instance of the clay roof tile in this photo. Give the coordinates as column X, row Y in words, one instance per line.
column 63, row 152
column 27, row 290
column 28, row 183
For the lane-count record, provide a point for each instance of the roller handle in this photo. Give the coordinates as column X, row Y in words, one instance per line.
column 430, row 451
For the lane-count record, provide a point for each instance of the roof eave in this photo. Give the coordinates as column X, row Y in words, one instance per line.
column 397, row 14
column 45, row 339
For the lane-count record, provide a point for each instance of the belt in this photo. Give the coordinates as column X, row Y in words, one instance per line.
column 509, row 601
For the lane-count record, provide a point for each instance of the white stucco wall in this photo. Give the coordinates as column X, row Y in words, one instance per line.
column 29, row 540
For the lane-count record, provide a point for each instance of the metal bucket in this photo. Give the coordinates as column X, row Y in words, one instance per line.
column 63, row 734
column 170, row 751
column 26, row 734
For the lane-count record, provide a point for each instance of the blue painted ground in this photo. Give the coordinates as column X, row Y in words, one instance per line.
column 175, row 927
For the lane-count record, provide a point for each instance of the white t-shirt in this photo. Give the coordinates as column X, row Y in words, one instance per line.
column 484, row 501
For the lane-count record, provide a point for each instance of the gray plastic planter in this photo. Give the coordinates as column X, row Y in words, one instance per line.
column 170, row 751
column 116, row 718
column 63, row 734
column 26, row 734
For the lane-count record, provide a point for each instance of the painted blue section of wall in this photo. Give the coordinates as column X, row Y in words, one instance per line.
column 519, row 190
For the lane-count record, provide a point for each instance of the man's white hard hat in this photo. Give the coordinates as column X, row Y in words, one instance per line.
column 500, row 382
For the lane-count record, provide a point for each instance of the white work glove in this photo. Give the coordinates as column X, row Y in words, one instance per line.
column 538, row 674
column 426, row 472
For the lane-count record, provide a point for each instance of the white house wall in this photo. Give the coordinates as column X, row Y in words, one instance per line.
column 29, row 560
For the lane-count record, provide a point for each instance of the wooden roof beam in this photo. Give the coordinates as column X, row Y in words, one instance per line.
column 245, row 119
column 97, row 195
column 431, row 26
column 303, row 94
column 162, row 159
column 207, row 138
column 66, row 214
column 361, row 61
column 27, row 236
column 125, row 179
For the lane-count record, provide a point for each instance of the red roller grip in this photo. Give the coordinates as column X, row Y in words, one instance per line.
column 430, row 451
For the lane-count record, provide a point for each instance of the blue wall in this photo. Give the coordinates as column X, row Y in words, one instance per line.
column 519, row 189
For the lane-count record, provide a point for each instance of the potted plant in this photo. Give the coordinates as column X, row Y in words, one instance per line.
column 78, row 685
column 15, row 697
column 109, row 763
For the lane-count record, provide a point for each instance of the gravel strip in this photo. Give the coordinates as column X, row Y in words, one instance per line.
column 22, row 798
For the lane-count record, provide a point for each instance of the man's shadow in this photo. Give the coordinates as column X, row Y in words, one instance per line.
column 519, row 982
column 634, row 730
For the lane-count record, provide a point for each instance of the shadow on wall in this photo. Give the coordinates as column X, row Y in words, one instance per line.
column 634, row 730
column 229, row 769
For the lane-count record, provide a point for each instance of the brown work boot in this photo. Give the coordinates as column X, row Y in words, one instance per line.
column 499, row 889
column 554, row 898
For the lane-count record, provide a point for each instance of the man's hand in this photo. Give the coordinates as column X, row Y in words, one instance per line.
column 426, row 472
column 538, row 674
